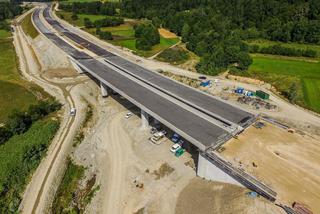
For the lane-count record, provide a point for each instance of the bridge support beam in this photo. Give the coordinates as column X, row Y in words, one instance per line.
column 144, row 119
column 104, row 90
column 207, row 170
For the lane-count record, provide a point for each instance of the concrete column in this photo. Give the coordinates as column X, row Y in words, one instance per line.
column 156, row 122
column 104, row 89
column 144, row 119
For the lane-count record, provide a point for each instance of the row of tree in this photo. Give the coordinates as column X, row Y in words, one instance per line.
column 105, row 22
column 283, row 51
column 97, row 7
column 8, row 10
column 19, row 122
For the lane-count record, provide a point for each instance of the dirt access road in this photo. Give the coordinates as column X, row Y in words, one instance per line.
column 119, row 153
column 37, row 193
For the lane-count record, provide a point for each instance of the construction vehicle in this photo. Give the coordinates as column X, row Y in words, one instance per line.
column 179, row 152
column 158, row 136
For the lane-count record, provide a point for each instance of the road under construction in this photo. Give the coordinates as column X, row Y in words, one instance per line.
column 203, row 120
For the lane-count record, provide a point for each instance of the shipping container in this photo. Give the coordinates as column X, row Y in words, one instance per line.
column 263, row 95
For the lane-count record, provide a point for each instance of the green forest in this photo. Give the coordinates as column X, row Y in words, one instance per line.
column 215, row 29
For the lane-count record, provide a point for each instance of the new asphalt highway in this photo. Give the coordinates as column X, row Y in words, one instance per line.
column 201, row 119
column 225, row 113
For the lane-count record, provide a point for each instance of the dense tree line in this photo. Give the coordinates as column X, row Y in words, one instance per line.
column 147, row 35
column 214, row 29
column 103, row 8
column 8, row 10
column 284, row 51
column 19, row 122
column 105, row 22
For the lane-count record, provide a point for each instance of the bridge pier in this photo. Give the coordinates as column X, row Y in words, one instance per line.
column 104, row 90
column 155, row 121
column 144, row 119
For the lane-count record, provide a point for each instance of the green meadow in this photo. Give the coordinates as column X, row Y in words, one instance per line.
column 282, row 72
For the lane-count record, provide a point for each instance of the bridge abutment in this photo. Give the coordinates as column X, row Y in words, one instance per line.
column 207, row 170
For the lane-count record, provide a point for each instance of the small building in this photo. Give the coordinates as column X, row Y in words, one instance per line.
column 263, row 95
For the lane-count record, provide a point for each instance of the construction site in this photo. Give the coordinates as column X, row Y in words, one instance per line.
column 284, row 159
column 151, row 160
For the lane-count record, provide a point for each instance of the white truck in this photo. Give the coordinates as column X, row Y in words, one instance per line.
column 158, row 136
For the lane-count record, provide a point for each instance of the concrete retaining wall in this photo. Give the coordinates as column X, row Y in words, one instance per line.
column 206, row 169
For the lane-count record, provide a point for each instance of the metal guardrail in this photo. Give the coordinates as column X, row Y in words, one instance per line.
column 242, row 177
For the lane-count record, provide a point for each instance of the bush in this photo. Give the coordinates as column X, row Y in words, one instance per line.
column 20, row 122
column 5, row 134
column 106, row 35
column 88, row 23
column 143, row 44
column 108, row 22
column 74, row 16
column 147, row 35
column 173, row 55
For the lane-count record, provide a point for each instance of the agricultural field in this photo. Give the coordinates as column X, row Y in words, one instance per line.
column 290, row 75
column 123, row 35
column 15, row 93
column 266, row 43
column 20, row 156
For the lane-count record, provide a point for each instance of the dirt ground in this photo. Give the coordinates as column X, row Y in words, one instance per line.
column 132, row 173
column 167, row 34
column 287, row 162
column 207, row 197
column 60, row 73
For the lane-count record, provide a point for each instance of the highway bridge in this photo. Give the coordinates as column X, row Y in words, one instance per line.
column 203, row 120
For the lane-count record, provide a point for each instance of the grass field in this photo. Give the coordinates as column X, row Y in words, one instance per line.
column 15, row 93
column 123, row 34
column 267, row 43
column 283, row 72
column 28, row 27
column 20, row 156
column 131, row 43
column 72, row 196
column 69, row 184
column 4, row 34
column 175, row 55
column 80, row 21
